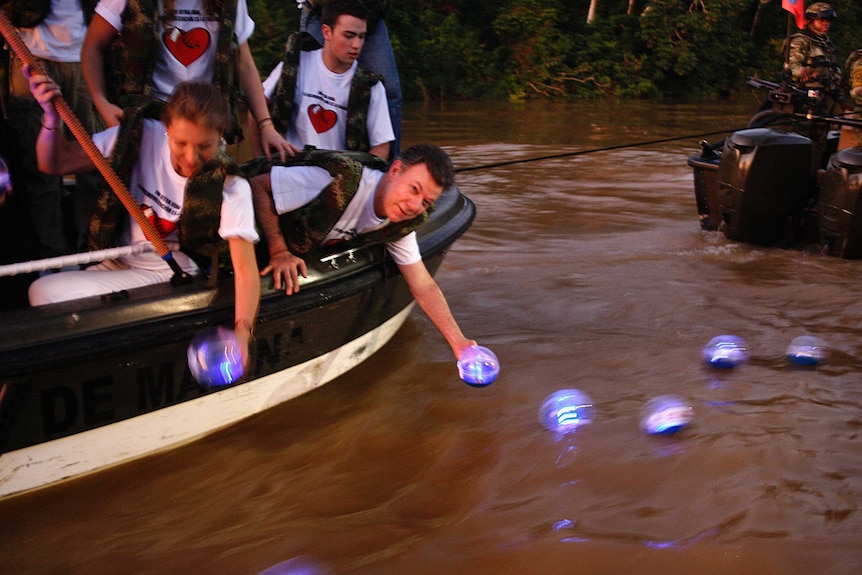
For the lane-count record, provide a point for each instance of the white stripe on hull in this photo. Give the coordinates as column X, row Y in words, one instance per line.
column 46, row 463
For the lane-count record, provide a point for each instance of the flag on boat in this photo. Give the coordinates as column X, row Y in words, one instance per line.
column 797, row 8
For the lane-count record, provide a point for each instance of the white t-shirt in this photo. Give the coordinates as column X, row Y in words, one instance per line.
column 160, row 191
column 319, row 116
column 187, row 50
column 293, row 187
column 59, row 36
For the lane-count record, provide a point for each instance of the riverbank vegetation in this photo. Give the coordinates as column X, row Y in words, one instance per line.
column 473, row 49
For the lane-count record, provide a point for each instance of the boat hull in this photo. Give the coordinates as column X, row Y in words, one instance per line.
column 96, row 382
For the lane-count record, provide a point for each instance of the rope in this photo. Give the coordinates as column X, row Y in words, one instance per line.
column 592, row 151
column 72, row 260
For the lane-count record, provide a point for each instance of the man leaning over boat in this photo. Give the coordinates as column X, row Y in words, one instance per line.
column 323, row 197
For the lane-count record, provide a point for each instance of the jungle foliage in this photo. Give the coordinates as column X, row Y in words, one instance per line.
column 472, row 49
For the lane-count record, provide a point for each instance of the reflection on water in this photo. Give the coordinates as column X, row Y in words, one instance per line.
column 586, row 272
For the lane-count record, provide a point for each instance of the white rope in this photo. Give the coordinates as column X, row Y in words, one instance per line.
column 73, row 259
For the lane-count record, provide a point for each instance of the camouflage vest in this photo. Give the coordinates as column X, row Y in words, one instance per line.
column 809, row 49
column 201, row 212
column 853, row 69
column 282, row 103
column 304, row 228
column 132, row 55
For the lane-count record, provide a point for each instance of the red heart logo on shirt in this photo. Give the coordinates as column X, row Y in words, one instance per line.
column 187, row 47
column 164, row 227
column 321, row 118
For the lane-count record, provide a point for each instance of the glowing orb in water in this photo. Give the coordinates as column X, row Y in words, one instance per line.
column 807, row 350
column 725, row 351
column 665, row 415
column 566, row 410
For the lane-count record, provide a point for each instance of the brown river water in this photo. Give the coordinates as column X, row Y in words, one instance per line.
column 587, row 272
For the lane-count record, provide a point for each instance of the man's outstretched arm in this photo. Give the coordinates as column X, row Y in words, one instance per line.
column 430, row 298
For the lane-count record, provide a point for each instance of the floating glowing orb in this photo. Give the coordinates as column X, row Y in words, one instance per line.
column 665, row 415
column 725, row 351
column 807, row 350
column 566, row 410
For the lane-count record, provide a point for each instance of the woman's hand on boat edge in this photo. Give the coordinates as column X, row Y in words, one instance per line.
column 286, row 268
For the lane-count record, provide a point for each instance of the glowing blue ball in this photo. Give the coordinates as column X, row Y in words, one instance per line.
column 301, row 565
column 665, row 415
column 807, row 350
column 214, row 357
column 5, row 179
column 478, row 366
column 725, row 351
column 566, row 410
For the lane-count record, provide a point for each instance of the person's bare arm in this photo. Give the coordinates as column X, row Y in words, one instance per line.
column 430, row 298
column 246, row 291
column 381, row 150
column 270, row 139
column 99, row 36
column 54, row 153
column 283, row 264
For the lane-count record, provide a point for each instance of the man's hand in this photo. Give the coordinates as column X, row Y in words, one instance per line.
column 273, row 144
column 288, row 267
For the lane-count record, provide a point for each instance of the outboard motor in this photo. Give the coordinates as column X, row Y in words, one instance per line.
column 765, row 180
column 705, row 166
column 838, row 207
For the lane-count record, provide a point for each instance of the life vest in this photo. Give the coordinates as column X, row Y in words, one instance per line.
column 201, row 213
column 304, row 228
column 282, row 102
column 132, row 55
column 29, row 13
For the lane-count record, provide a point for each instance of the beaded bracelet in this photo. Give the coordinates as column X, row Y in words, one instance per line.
column 264, row 122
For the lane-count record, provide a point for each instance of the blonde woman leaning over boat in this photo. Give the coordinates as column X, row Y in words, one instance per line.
column 168, row 173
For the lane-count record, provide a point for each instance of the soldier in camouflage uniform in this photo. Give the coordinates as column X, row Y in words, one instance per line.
column 811, row 60
column 850, row 135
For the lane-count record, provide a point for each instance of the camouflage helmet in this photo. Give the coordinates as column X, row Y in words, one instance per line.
column 820, row 10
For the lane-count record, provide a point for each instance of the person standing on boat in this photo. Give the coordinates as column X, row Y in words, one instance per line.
column 176, row 170
column 376, row 55
column 322, row 96
column 811, row 60
column 350, row 199
column 850, row 135
column 153, row 45
column 53, row 31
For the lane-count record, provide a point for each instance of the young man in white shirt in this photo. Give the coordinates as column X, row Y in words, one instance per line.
column 310, row 98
